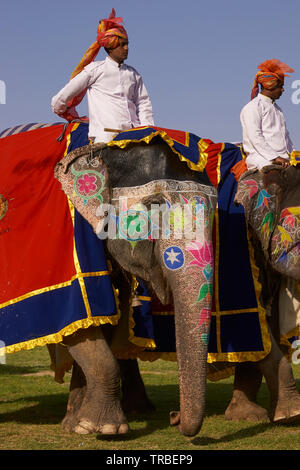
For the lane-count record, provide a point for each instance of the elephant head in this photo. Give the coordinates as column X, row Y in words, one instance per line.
column 271, row 199
column 156, row 217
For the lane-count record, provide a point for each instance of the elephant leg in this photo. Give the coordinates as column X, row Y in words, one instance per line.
column 76, row 396
column 134, row 396
column 100, row 410
column 243, row 406
column 284, row 396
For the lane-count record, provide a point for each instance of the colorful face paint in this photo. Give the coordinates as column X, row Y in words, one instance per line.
column 173, row 258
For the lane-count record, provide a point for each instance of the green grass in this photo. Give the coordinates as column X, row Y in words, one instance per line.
column 32, row 406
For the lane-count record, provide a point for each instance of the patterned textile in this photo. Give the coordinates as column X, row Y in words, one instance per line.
column 190, row 148
column 25, row 128
column 52, row 266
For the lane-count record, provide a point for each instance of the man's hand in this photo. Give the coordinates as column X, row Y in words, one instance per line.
column 281, row 161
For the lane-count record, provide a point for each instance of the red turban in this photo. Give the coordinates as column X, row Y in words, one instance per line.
column 109, row 33
column 271, row 74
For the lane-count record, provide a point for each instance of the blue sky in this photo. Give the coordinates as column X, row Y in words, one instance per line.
column 198, row 58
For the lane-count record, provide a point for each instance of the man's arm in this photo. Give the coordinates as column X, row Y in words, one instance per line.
column 75, row 86
column 143, row 104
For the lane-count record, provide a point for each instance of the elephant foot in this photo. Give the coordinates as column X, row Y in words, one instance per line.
column 101, row 417
column 286, row 411
column 87, row 427
column 87, row 414
column 244, row 409
column 84, row 423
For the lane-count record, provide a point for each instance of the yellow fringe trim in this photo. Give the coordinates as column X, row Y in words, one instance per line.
column 59, row 336
column 202, row 146
column 219, row 164
column 284, row 340
column 295, row 154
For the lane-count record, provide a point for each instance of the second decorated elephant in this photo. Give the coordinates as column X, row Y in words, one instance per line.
column 271, row 200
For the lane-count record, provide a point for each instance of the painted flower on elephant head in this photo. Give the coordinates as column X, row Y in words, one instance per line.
column 285, row 237
column 87, row 184
column 290, row 217
column 263, row 199
column 205, row 316
column 251, row 187
column 267, row 223
column 203, row 257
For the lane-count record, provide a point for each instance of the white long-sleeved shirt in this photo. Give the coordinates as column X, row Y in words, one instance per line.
column 265, row 135
column 117, row 98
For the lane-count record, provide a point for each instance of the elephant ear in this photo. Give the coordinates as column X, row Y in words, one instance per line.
column 259, row 192
column 84, row 179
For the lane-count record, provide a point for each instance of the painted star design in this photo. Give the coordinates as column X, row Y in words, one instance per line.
column 172, row 256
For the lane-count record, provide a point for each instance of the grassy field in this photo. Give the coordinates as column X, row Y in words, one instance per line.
column 32, row 406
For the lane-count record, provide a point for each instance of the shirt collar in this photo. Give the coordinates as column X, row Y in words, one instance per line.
column 113, row 62
column 266, row 98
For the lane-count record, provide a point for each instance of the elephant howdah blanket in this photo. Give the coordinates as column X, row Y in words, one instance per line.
column 52, row 268
column 55, row 275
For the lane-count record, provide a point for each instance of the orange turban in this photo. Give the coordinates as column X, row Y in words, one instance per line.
column 109, row 33
column 271, row 74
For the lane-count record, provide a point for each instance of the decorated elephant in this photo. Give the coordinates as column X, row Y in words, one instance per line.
column 60, row 273
column 270, row 199
column 143, row 184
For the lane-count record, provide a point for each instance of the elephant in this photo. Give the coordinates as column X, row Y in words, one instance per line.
column 159, row 259
column 270, row 198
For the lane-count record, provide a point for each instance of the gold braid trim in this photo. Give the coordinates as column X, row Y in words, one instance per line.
column 59, row 336
column 295, row 158
column 202, row 146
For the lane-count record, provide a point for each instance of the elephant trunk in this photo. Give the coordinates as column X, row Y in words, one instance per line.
column 191, row 347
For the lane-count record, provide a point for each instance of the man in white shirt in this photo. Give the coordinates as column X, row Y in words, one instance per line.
column 117, row 96
column 265, row 137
